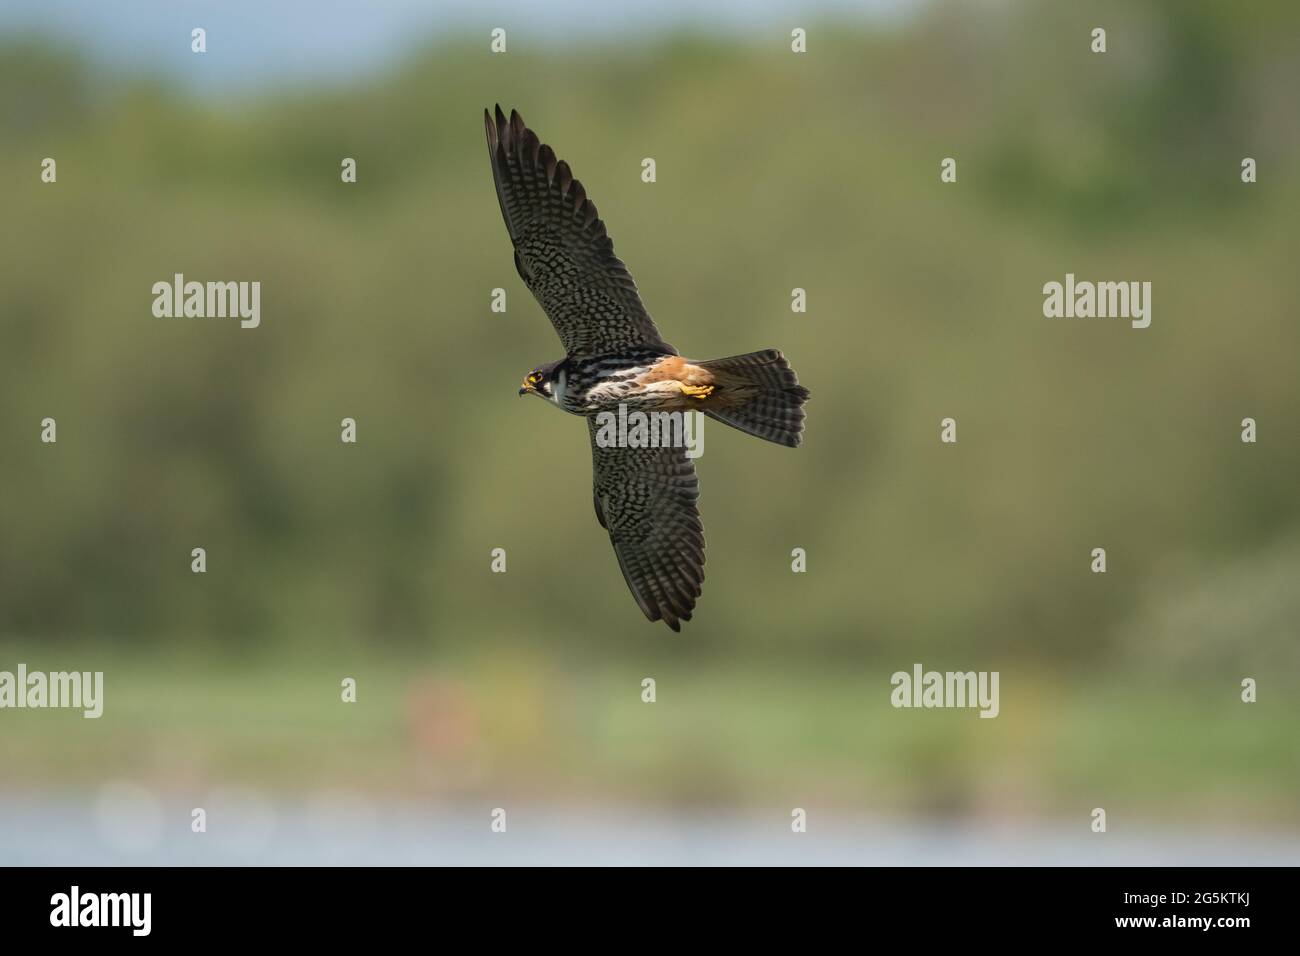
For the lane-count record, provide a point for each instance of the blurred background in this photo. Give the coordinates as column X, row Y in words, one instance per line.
column 523, row 690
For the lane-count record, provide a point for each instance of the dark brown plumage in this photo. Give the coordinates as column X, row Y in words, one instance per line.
column 646, row 498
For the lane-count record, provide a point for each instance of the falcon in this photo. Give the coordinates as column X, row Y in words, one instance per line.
column 645, row 497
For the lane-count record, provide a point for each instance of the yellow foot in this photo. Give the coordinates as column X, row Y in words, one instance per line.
column 697, row 391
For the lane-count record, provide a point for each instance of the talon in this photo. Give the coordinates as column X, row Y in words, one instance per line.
column 697, row 391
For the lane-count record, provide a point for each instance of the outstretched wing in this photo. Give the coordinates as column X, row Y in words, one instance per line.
column 561, row 249
column 646, row 498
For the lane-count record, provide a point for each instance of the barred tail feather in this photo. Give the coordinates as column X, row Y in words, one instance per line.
column 760, row 395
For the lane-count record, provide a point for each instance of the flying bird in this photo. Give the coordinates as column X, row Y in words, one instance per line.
column 645, row 497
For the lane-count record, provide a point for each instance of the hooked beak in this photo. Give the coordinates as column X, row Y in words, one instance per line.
column 525, row 388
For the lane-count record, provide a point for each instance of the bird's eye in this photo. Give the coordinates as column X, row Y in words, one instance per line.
column 534, row 378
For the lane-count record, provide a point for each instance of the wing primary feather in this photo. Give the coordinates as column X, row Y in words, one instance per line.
column 563, row 251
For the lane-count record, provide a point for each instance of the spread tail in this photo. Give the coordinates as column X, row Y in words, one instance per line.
column 759, row 394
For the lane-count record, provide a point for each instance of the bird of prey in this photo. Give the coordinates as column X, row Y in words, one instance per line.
column 645, row 497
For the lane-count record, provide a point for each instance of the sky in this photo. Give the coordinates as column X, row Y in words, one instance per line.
column 255, row 42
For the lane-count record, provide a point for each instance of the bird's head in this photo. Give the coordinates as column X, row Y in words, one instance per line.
column 541, row 381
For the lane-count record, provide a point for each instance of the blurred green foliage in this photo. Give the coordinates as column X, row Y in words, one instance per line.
column 774, row 171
